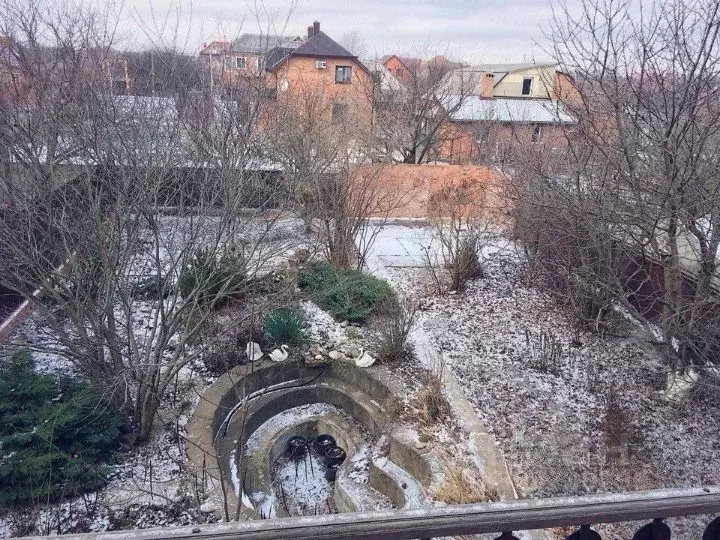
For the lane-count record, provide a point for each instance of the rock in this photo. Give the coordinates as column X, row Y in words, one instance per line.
column 344, row 324
column 420, row 445
column 316, row 361
column 353, row 351
column 335, row 355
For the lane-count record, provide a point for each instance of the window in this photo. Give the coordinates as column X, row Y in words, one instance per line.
column 240, row 62
column 343, row 74
column 536, row 133
column 339, row 112
column 527, row 86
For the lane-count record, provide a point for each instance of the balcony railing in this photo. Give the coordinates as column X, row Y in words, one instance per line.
column 501, row 518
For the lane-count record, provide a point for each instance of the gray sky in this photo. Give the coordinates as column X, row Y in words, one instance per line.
column 473, row 30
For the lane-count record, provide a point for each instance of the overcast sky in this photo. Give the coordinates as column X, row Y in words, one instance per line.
column 473, row 30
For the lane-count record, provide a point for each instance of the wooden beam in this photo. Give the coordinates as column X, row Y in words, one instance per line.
column 450, row 520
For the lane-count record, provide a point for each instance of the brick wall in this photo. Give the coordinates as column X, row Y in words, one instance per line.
column 459, row 144
column 418, row 189
column 298, row 77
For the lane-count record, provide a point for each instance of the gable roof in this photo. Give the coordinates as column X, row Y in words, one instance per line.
column 262, row 43
column 318, row 46
column 322, row 45
column 274, row 56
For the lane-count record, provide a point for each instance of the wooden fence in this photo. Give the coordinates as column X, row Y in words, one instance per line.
column 500, row 518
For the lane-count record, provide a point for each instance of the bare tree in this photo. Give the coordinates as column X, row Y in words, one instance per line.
column 629, row 213
column 460, row 215
column 132, row 218
column 325, row 148
column 409, row 122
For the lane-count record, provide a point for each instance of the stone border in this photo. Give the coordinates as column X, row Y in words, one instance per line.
column 274, row 387
column 482, row 447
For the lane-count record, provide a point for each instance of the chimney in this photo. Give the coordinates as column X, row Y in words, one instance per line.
column 316, row 28
column 310, row 32
column 487, row 85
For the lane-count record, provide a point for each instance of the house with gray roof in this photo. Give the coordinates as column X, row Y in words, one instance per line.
column 503, row 106
column 244, row 56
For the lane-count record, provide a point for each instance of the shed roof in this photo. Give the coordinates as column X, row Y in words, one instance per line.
column 527, row 110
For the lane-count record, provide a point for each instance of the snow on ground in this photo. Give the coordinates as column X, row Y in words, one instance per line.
column 305, row 491
column 543, row 387
column 290, row 417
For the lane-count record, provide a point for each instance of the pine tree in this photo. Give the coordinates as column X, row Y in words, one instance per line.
column 56, row 435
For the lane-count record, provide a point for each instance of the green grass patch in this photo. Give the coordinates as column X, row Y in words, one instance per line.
column 286, row 326
column 348, row 295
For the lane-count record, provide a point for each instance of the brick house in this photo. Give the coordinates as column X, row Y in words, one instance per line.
column 511, row 104
column 322, row 68
column 405, row 68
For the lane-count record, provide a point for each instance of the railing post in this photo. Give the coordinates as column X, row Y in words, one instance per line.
column 656, row 530
column 713, row 530
column 584, row 533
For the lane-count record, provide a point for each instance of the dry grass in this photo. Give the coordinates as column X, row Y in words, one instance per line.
column 430, row 401
column 463, row 485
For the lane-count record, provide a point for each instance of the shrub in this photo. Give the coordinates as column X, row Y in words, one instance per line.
column 430, row 401
column 392, row 329
column 152, row 288
column 285, row 326
column 463, row 262
column 56, row 435
column 213, row 279
column 347, row 294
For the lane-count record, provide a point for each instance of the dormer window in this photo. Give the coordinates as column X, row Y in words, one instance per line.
column 527, row 86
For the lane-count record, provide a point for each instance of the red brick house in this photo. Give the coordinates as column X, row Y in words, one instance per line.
column 512, row 104
column 321, row 68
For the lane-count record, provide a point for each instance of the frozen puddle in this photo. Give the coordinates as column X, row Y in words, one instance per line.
column 301, row 486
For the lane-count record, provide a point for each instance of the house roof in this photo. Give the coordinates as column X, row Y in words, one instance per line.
column 383, row 77
column 508, row 68
column 322, row 45
column 262, row 43
column 274, row 56
column 318, row 46
column 521, row 111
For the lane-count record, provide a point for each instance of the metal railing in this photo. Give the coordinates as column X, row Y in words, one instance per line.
column 502, row 518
